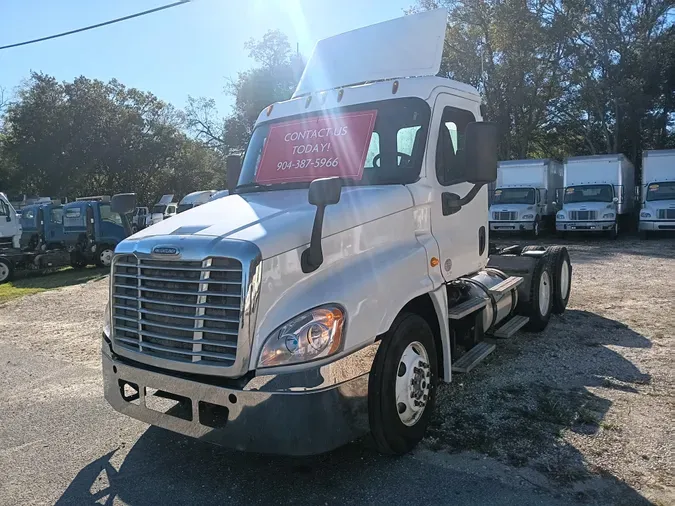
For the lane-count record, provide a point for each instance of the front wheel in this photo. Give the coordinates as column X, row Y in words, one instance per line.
column 402, row 385
column 536, row 229
column 6, row 271
column 614, row 233
column 104, row 257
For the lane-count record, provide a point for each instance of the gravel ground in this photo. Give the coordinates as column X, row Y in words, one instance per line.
column 582, row 412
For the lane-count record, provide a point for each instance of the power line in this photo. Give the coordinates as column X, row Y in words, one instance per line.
column 91, row 27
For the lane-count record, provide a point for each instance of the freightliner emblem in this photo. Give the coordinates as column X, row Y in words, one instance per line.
column 165, row 250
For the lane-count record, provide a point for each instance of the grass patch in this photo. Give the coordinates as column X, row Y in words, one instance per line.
column 35, row 283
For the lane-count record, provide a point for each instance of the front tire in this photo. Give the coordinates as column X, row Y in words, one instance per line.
column 104, row 257
column 536, row 229
column 402, row 385
column 6, row 271
column 614, row 233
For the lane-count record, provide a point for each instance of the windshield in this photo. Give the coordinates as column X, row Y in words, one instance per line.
column 661, row 191
column 589, row 193
column 513, row 196
column 159, row 209
column 374, row 143
column 184, row 207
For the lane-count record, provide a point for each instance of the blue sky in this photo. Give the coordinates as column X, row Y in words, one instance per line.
column 187, row 50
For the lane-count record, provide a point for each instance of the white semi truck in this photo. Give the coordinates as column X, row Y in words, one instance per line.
column 344, row 277
column 525, row 196
column 658, row 191
column 194, row 199
column 599, row 194
column 10, row 226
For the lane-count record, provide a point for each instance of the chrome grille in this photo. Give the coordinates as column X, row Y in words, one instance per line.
column 505, row 216
column 178, row 310
column 666, row 214
column 583, row 215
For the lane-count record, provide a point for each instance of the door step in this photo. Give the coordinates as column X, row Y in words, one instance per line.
column 511, row 327
column 508, row 284
column 473, row 357
column 466, row 308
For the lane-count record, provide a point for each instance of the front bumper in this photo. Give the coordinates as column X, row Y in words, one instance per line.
column 302, row 413
column 655, row 226
column 511, row 226
column 584, row 226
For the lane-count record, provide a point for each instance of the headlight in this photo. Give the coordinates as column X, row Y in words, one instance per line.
column 645, row 214
column 528, row 216
column 608, row 215
column 314, row 334
column 106, row 320
column 560, row 216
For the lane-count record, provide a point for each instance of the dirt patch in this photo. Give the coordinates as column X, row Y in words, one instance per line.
column 592, row 396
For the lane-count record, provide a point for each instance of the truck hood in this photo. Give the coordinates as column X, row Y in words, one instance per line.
column 279, row 221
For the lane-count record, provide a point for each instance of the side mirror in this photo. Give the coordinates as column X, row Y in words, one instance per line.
column 233, row 167
column 123, row 203
column 480, row 153
column 322, row 192
column 615, row 200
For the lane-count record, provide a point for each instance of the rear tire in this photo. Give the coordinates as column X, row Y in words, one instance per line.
column 6, row 271
column 559, row 264
column 396, row 423
column 539, row 306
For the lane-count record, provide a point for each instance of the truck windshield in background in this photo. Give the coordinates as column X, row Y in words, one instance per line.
column 661, row 191
column 589, row 193
column 513, row 196
column 367, row 144
column 183, row 207
column 159, row 209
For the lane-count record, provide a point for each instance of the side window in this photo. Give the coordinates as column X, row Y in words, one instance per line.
column 405, row 139
column 537, row 196
column 449, row 151
column 373, row 149
column 56, row 216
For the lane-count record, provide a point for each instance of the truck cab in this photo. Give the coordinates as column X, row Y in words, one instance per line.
column 345, row 275
column 524, row 197
column 10, row 226
column 140, row 218
column 162, row 210
column 599, row 193
column 658, row 192
column 194, row 199
column 42, row 227
column 92, row 230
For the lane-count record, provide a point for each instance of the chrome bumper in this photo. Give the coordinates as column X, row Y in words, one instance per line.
column 581, row 226
column 301, row 413
column 656, row 225
column 512, row 226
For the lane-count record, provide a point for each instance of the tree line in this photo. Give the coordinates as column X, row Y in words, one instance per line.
column 559, row 77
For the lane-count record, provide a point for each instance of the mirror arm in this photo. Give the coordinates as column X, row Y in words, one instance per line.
column 312, row 257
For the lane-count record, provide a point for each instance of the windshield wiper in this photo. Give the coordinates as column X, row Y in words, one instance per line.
column 252, row 187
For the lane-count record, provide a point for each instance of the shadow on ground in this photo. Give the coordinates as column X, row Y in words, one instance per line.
column 518, row 421
column 61, row 278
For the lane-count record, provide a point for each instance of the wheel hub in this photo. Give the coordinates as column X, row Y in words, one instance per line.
column 106, row 257
column 544, row 292
column 413, row 382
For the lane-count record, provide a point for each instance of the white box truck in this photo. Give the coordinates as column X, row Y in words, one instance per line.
column 658, row 191
column 10, row 226
column 346, row 274
column 194, row 199
column 525, row 195
column 599, row 194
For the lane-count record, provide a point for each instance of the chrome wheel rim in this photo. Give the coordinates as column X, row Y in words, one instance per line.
column 544, row 293
column 564, row 279
column 413, row 382
column 4, row 272
column 106, row 257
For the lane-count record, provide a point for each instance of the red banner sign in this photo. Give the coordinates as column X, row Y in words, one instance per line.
column 312, row 148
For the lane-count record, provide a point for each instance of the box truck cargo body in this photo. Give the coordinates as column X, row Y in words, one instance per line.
column 658, row 191
column 524, row 196
column 599, row 193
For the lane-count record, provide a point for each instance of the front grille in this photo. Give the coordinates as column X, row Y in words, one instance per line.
column 505, row 216
column 583, row 215
column 666, row 214
column 176, row 310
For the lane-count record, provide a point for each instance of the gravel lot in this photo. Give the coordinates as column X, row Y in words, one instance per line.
column 582, row 413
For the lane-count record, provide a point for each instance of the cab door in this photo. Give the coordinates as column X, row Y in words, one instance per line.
column 461, row 236
column 9, row 223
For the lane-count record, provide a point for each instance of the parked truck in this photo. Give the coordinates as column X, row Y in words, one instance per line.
column 599, row 194
column 140, row 219
column 10, row 226
column 42, row 227
column 525, row 196
column 345, row 276
column 92, row 230
column 194, row 199
column 658, row 192
column 163, row 210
